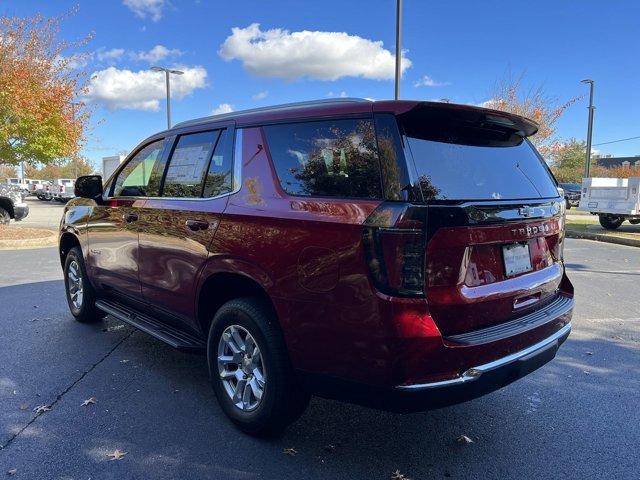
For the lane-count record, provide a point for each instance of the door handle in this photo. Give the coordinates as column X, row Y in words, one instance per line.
column 196, row 225
column 130, row 217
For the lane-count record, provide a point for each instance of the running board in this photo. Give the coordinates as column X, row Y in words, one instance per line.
column 172, row 336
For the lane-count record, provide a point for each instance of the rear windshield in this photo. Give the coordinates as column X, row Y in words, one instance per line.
column 460, row 170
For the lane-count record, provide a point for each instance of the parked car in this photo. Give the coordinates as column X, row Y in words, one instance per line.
column 397, row 254
column 614, row 200
column 12, row 204
column 43, row 192
column 22, row 183
column 34, row 186
column 62, row 189
column 571, row 194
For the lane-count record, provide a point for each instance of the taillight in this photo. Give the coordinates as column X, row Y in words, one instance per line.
column 61, row 188
column 394, row 239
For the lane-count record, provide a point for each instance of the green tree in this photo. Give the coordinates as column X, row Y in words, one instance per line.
column 568, row 165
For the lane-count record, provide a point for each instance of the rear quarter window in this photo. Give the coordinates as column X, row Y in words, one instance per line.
column 333, row 158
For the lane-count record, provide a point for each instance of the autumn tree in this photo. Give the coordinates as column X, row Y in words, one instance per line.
column 40, row 118
column 509, row 95
column 568, row 164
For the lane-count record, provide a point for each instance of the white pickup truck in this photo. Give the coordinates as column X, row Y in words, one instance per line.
column 614, row 200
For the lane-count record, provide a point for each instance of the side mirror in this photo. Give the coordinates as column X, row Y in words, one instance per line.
column 89, row 186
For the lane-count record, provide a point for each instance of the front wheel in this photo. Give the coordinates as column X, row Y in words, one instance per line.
column 80, row 295
column 250, row 369
column 610, row 222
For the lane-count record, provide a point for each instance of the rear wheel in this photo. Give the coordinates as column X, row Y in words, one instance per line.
column 250, row 369
column 5, row 218
column 80, row 295
column 610, row 222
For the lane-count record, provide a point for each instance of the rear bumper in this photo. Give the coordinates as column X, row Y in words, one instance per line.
column 472, row 383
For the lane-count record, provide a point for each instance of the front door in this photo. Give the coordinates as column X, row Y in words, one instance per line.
column 177, row 228
column 113, row 225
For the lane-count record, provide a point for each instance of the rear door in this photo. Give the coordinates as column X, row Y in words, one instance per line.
column 113, row 225
column 495, row 221
column 177, row 227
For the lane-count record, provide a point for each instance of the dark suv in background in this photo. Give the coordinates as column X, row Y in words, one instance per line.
column 397, row 254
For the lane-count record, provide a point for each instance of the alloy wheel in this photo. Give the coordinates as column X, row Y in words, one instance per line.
column 75, row 285
column 241, row 368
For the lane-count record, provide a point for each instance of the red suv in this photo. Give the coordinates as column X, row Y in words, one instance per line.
column 397, row 254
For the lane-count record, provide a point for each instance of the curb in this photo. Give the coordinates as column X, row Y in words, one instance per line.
column 42, row 242
column 600, row 237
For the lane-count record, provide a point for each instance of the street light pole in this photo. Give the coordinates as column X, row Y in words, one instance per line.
column 587, row 160
column 398, row 47
column 167, row 72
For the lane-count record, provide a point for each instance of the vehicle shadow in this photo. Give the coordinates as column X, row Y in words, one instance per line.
column 156, row 403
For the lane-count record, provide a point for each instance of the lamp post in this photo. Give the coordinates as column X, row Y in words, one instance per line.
column 167, row 72
column 398, row 47
column 587, row 160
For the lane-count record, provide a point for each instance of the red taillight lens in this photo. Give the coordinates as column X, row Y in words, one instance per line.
column 61, row 188
column 394, row 240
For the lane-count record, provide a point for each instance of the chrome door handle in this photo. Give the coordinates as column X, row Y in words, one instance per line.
column 196, row 225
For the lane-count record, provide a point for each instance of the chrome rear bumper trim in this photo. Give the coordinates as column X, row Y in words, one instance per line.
column 475, row 373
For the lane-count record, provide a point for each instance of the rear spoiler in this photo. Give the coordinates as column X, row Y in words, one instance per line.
column 463, row 124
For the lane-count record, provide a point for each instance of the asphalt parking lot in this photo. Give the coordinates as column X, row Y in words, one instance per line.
column 577, row 417
column 42, row 214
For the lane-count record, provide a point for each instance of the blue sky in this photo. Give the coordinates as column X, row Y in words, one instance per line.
column 463, row 47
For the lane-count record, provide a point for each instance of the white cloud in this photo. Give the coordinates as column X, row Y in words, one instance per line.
column 146, row 8
column 142, row 90
column 157, row 53
column 260, row 95
column 279, row 53
column 109, row 55
column 222, row 108
column 427, row 81
column 342, row 94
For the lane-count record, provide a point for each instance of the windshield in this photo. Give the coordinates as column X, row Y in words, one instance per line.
column 460, row 171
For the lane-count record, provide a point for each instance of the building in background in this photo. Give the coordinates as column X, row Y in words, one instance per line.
column 109, row 165
column 613, row 162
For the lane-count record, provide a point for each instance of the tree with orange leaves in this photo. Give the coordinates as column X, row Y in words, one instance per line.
column 40, row 118
column 509, row 95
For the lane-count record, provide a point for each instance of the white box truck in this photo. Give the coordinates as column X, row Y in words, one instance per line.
column 614, row 200
column 109, row 165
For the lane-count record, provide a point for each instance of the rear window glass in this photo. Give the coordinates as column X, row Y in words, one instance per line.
column 452, row 171
column 335, row 158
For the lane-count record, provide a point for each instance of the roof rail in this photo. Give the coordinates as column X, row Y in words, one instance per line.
column 272, row 108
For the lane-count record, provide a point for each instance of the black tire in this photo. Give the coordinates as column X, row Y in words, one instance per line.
column 634, row 221
column 86, row 312
column 283, row 400
column 610, row 222
column 568, row 204
column 5, row 218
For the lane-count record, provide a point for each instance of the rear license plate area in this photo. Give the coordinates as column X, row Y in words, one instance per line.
column 517, row 259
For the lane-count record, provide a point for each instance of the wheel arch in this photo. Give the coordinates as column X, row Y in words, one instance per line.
column 217, row 288
column 67, row 241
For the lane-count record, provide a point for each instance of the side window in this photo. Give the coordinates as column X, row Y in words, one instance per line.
column 218, row 180
column 188, row 164
column 336, row 158
column 141, row 176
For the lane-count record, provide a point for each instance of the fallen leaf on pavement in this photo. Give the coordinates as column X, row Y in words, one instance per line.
column 42, row 408
column 24, row 406
column 398, row 476
column 290, row 451
column 463, row 440
column 116, row 455
column 89, row 401
column 588, row 353
column 12, row 471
